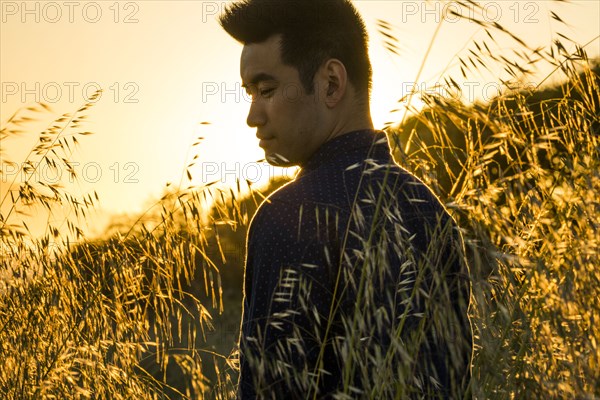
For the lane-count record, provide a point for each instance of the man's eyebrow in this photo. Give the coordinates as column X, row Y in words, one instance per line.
column 256, row 79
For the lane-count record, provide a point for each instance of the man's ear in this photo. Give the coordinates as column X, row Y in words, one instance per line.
column 334, row 78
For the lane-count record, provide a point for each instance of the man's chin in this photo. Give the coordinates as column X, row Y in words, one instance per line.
column 278, row 160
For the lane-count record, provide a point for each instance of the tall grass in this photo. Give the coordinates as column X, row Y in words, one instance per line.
column 96, row 318
column 526, row 194
column 133, row 315
column 521, row 174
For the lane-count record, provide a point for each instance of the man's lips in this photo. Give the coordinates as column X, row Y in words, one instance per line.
column 264, row 140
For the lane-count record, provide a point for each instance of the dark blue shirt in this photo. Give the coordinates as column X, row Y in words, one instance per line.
column 354, row 282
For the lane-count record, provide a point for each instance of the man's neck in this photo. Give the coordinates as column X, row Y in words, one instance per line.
column 356, row 122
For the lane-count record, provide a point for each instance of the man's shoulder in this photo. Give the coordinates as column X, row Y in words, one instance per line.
column 320, row 186
column 395, row 188
column 300, row 201
column 398, row 180
column 278, row 207
column 340, row 189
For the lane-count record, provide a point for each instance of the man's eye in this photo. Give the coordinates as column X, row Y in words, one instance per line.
column 267, row 92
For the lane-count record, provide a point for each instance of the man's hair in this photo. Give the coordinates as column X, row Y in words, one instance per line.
column 312, row 31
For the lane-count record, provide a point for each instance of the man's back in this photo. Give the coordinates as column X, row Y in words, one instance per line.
column 355, row 283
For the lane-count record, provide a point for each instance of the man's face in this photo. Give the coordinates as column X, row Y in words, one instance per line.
column 286, row 118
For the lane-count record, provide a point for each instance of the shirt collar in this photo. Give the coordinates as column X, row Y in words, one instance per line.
column 343, row 144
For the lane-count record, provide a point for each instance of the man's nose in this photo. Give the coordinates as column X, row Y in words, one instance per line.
column 256, row 115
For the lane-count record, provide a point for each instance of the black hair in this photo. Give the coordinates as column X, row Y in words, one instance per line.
column 312, row 32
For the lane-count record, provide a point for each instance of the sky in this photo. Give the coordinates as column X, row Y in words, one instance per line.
column 170, row 74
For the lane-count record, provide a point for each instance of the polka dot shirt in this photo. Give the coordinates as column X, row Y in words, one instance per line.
column 298, row 239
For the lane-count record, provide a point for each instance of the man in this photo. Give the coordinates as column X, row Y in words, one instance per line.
column 354, row 284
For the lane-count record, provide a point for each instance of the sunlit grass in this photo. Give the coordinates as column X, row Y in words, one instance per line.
column 526, row 194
